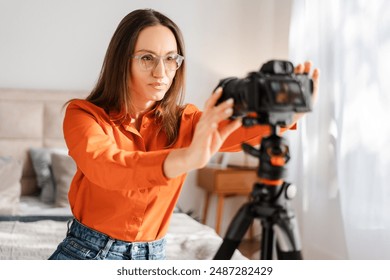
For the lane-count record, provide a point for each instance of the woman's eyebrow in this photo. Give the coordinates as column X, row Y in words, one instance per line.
column 152, row 52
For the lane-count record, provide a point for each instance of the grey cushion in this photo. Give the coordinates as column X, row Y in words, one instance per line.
column 41, row 161
column 63, row 168
column 10, row 189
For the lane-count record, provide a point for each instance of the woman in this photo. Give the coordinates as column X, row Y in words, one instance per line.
column 133, row 143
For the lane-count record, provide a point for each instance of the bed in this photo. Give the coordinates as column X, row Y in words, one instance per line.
column 35, row 172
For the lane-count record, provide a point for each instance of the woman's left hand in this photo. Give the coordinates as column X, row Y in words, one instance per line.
column 305, row 68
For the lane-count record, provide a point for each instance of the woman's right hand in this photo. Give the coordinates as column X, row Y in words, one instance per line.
column 209, row 135
column 207, row 140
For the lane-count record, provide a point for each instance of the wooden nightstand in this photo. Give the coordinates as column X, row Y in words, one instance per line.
column 224, row 182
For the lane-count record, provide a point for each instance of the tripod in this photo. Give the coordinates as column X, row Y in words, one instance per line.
column 269, row 202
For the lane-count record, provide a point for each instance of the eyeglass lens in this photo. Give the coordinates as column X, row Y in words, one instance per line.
column 171, row 62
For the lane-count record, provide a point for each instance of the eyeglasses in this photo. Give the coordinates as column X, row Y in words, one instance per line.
column 148, row 61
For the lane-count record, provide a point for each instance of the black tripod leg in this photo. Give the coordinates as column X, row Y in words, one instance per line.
column 294, row 255
column 267, row 241
column 236, row 231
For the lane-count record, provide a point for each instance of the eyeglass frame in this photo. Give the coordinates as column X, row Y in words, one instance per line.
column 179, row 60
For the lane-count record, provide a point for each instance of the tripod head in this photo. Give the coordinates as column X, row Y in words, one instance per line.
column 273, row 154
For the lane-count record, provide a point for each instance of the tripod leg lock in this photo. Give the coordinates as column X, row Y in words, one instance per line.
column 287, row 233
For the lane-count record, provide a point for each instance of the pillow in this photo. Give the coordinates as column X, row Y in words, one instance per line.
column 63, row 168
column 41, row 161
column 10, row 188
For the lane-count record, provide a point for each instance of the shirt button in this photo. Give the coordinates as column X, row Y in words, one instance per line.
column 142, row 191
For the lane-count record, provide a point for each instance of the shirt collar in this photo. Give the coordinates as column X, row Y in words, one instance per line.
column 148, row 117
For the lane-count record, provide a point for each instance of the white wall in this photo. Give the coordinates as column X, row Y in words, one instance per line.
column 56, row 44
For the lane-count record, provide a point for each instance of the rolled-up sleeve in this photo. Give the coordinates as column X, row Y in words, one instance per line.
column 250, row 135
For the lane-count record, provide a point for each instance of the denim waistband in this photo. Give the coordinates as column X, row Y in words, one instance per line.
column 100, row 240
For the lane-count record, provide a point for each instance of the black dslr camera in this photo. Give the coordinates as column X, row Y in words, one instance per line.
column 274, row 93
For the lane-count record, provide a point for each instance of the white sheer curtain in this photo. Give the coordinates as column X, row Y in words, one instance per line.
column 341, row 153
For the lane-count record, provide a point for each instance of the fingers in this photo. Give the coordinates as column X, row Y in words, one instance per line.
column 316, row 74
column 220, row 112
column 299, row 69
column 216, row 113
column 210, row 103
column 306, row 67
column 303, row 68
column 316, row 83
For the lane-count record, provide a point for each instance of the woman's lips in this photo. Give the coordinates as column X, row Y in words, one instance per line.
column 158, row 85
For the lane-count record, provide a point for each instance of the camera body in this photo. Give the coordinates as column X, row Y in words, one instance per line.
column 274, row 93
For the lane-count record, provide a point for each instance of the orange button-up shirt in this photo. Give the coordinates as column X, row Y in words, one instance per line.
column 120, row 188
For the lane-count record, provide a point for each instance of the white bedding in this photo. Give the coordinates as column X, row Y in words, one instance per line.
column 191, row 240
column 186, row 239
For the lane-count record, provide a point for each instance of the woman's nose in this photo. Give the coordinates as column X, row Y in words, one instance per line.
column 159, row 69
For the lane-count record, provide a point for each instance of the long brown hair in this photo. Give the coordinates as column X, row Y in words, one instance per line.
column 112, row 89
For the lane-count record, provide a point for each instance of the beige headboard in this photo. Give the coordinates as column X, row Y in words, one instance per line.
column 31, row 118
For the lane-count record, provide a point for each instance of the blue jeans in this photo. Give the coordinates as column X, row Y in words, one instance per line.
column 83, row 243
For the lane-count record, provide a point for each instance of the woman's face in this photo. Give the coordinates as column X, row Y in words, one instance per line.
column 149, row 86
